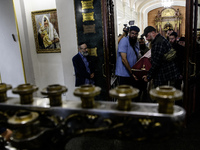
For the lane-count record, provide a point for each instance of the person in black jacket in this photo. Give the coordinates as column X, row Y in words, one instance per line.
column 82, row 66
column 162, row 72
column 179, row 58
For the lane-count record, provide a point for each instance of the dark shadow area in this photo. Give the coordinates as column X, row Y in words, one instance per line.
column 187, row 139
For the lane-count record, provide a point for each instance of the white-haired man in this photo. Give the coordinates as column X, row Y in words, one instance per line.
column 47, row 29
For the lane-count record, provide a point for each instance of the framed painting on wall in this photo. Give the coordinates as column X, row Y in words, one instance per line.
column 46, row 33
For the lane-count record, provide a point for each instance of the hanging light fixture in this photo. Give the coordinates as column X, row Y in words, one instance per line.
column 167, row 3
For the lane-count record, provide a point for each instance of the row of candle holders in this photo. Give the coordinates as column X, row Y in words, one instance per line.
column 164, row 95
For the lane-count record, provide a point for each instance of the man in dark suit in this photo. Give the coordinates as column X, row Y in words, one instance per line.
column 83, row 72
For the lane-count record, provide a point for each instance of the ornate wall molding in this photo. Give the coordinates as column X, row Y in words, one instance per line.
column 168, row 18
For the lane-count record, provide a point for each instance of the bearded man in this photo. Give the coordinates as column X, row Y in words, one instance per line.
column 82, row 66
column 127, row 56
column 162, row 72
column 51, row 32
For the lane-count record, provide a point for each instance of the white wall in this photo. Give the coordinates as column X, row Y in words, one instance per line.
column 47, row 68
column 125, row 13
column 67, row 26
column 11, row 69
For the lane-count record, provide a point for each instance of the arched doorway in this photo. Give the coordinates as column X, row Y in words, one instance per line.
column 168, row 18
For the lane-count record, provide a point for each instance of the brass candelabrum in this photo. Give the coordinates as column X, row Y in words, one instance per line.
column 87, row 93
column 3, row 89
column 166, row 96
column 124, row 95
column 26, row 92
column 26, row 123
column 54, row 93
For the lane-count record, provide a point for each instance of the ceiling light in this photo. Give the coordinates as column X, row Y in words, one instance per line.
column 167, row 3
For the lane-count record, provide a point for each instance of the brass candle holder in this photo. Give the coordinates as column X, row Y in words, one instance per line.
column 54, row 92
column 87, row 93
column 124, row 94
column 26, row 124
column 26, row 92
column 3, row 89
column 166, row 96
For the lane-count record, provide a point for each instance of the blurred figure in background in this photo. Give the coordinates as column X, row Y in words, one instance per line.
column 179, row 57
column 125, row 33
column 182, row 41
column 143, row 46
column 169, row 31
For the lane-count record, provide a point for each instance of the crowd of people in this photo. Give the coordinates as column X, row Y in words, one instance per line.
column 163, row 71
column 167, row 55
column 166, row 60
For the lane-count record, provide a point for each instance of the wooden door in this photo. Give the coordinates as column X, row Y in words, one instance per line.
column 192, row 63
column 95, row 24
column 109, row 38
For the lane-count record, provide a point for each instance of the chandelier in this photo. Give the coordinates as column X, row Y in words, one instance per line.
column 167, row 3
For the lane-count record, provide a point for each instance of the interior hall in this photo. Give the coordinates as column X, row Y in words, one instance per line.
column 40, row 42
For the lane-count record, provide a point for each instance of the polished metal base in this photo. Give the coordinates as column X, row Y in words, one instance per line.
column 141, row 122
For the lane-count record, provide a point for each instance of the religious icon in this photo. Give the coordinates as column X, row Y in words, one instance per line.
column 45, row 26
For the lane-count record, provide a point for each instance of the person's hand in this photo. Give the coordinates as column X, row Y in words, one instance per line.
column 42, row 35
column 92, row 75
column 145, row 78
column 7, row 134
column 134, row 77
column 56, row 40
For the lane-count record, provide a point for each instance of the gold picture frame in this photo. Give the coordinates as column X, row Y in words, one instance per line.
column 46, row 33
